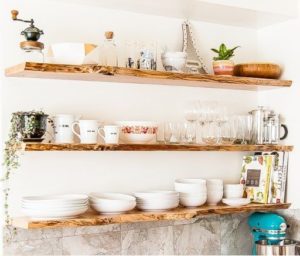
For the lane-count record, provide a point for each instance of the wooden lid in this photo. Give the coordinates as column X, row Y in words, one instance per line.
column 27, row 45
column 109, row 34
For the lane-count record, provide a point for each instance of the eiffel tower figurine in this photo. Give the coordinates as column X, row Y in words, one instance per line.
column 194, row 64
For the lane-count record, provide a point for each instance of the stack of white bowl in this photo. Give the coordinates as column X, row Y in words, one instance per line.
column 54, row 207
column 192, row 192
column 214, row 191
column 233, row 194
column 157, row 200
column 111, row 203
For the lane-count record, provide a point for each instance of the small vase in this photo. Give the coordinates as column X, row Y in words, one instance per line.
column 223, row 67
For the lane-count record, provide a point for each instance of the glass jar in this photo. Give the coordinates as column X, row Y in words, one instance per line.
column 33, row 55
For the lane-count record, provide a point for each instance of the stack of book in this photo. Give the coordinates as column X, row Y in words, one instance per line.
column 265, row 176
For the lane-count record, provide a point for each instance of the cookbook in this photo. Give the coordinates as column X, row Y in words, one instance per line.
column 256, row 173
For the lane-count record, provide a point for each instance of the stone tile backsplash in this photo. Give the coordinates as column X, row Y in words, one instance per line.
column 211, row 235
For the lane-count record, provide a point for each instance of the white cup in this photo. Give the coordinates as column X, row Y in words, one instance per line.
column 63, row 128
column 111, row 134
column 88, row 131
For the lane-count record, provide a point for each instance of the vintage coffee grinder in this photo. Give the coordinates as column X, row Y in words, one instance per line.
column 33, row 50
column 270, row 227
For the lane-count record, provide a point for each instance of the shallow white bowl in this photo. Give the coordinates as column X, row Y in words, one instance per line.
column 236, row 201
column 112, row 202
column 233, row 193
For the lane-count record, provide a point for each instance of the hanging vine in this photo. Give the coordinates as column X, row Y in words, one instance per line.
column 20, row 129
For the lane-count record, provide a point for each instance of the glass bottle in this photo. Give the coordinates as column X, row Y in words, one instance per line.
column 108, row 51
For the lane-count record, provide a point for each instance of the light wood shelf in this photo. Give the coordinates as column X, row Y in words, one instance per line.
column 135, row 76
column 152, row 147
column 180, row 213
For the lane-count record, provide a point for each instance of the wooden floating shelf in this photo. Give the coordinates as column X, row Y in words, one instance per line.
column 135, row 76
column 180, row 213
column 152, row 147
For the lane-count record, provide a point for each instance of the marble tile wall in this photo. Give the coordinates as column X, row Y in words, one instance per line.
column 213, row 235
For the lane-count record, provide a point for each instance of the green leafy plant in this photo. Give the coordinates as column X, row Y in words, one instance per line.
column 224, row 53
column 14, row 147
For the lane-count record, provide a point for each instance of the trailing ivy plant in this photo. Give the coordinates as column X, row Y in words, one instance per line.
column 14, row 146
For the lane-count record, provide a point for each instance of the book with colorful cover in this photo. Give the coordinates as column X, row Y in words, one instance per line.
column 278, row 177
column 256, row 171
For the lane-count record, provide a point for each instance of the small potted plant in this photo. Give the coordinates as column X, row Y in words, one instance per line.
column 24, row 127
column 222, row 64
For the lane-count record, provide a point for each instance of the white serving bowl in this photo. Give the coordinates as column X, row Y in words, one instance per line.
column 214, row 197
column 174, row 61
column 137, row 132
column 112, row 203
column 193, row 201
column 190, row 185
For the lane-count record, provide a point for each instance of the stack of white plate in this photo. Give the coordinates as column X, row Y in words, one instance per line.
column 157, row 200
column 193, row 192
column 54, row 207
column 111, row 203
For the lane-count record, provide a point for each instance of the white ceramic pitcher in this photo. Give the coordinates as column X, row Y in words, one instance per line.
column 63, row 128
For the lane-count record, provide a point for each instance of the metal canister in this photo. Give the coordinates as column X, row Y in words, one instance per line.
column 258, row 115
column 284, row 247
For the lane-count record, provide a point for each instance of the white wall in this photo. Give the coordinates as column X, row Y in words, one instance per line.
column 59, row 172
column 280, row 44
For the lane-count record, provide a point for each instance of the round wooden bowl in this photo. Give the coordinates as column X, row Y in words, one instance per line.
column 259, row 70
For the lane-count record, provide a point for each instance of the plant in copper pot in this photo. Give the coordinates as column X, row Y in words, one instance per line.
column 222, row 64
column 24, row 126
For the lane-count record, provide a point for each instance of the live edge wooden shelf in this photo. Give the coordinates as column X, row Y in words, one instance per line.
column 125, row 75
column 152, row 147
column 180, row 213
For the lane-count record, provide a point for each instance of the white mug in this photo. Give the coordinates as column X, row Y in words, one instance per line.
column 88, row 131
column 63, row 128
column 111, row 134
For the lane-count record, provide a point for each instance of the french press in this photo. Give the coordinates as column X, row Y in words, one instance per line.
column 266, row 126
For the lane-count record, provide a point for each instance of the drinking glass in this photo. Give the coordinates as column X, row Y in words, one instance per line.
column 188, row 132
column 228, row 131
column 243, row 125
column 172, row 132
column 211, row 133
